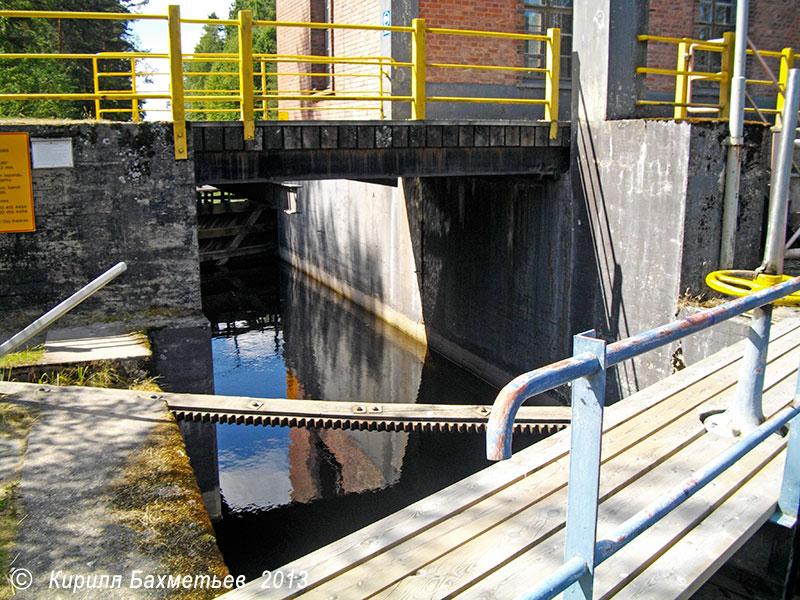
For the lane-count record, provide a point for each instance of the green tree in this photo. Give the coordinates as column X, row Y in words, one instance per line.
column 218, row 39
column 64, row 76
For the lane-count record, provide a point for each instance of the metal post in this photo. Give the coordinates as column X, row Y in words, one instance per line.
column 745, row 413
column 551, row 86
column 730, row 208
column 176, row 82
column 135, row 102
column 246, row 102
column 789, row 501
column 418, row 69
column 787, row 63
column 61, row 309
column 588, row 395
column 682, row 82
column 729, row 39
column 779, row 192
column 96, row 88
column 264, row 102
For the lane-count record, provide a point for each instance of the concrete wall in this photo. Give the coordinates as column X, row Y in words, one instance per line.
column 354, row 236
column 125, row 199
column 649, row 196
column 492, row 259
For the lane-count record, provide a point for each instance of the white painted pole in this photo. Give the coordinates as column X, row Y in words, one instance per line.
column 730, row 207
column 61, row 309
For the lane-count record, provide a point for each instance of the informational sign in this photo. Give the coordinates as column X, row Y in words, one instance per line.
column 386, row 21
column 52, row 153
column 16, row 189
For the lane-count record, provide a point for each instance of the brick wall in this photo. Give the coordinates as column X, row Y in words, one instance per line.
column 483, row 15
column 773, row 25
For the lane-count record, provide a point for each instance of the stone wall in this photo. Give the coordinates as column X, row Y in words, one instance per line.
column 126, row 199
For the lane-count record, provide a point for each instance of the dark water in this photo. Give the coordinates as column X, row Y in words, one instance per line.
column 289, row 491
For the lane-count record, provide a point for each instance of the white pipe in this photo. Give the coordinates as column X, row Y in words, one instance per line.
column 730, row 207
column 61, row 309
column 779, row 192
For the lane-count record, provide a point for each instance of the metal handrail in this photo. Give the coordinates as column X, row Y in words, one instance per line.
column 683, row 74
column 246, row 96
column 587, row 369
column 544, row 379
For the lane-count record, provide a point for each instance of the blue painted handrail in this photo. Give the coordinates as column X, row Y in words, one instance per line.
column 587, row 368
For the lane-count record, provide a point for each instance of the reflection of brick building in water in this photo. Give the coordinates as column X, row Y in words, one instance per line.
column 331, row 462
column 773, row 26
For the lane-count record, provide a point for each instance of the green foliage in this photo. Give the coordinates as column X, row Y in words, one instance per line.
column 62, row 76
column 225, row 39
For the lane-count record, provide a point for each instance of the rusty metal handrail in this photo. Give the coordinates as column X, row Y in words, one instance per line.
column 527, row 385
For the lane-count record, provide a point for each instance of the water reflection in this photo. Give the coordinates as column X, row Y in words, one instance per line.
column 302, row 488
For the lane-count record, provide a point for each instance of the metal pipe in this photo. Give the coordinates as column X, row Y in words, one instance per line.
column 745, row 412
column 61, row 309
column 730, row 208
column 779, row 194
column 567, row 574
column 692, row 484
column 515, row 393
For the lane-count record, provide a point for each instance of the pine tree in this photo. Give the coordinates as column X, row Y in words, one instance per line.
column 226, row 39
column 62, row 36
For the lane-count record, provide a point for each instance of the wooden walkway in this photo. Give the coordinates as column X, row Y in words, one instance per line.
column 498, row 532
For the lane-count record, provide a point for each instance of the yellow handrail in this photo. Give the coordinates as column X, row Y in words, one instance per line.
column 249, row 76
column 684, row 74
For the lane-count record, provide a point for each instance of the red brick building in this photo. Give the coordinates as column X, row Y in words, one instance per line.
column 774, row 24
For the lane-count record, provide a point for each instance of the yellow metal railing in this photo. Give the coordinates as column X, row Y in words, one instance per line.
column 258, row 100
column 685, row 74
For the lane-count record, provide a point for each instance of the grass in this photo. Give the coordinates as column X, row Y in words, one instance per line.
column 102, row 374
column 16, row 423
column 29, row 356
column 157, row 497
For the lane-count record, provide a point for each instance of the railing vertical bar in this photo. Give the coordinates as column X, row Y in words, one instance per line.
column 552, row 79
column 247, row 104
column 727, row 71
column 134, row 103
column 96, row 88
column 682, row 82
column 418, row 59
column 176, row 82
column 789, row 500
column 588, row 396
column 787, row 64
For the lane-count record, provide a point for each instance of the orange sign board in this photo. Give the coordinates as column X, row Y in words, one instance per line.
column 16, row 189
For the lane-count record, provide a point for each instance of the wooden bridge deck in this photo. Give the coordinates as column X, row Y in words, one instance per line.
column 498, row 532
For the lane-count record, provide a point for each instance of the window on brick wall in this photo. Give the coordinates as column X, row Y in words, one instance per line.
column 539, row 16
column 715, row 18
column 321, row 44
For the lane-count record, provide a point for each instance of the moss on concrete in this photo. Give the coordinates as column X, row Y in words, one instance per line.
column 157, row 497
column 15, row 425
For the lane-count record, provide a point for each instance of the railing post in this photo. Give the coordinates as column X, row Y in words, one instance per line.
column 264, row 103
column 135, row 102
column 551, row 86
column 176, row 82
column 789, row 501
column 745, row 414
column 787, row 63
column 418, row 69
column 727, row 73
column 588, row 397
column 96, row 88
column 246, row 73
column 682, row 82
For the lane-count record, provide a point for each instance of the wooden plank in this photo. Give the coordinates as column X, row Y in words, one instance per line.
column 470, row 561
column 390, row 532
column 217, row 232
column 712, row 542
column 454, row 535
column 234, row 252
